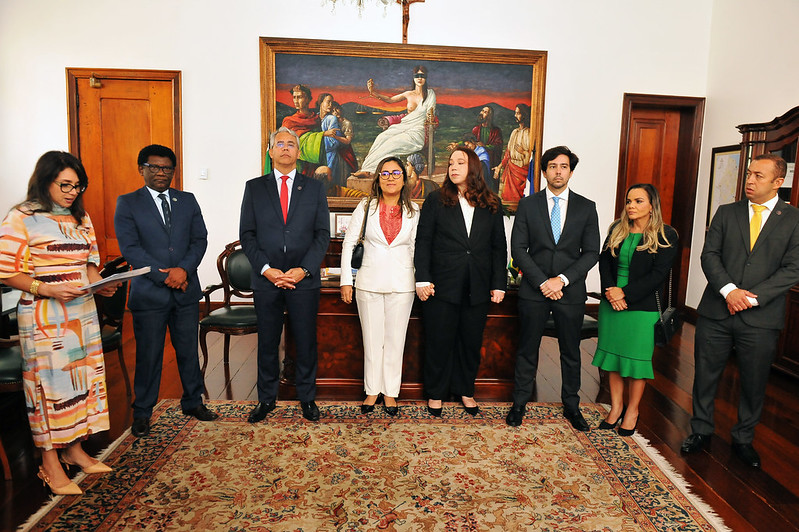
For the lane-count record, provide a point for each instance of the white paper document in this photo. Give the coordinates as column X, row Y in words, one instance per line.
column 116, row 278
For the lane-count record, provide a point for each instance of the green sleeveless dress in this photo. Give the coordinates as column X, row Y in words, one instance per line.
column 626, row 338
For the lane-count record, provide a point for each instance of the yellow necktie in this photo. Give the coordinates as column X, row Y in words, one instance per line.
column 754, row 225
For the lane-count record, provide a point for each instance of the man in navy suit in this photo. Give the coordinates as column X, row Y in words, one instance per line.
column 554, row 242
column 751, row 261
column 284, row 231
column 163, row 228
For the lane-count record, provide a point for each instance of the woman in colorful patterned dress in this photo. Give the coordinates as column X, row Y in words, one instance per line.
column 634, row 263
column 385, row 282
column 48, row 251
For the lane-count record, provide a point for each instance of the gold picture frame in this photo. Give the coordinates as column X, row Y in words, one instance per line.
column 465, row 80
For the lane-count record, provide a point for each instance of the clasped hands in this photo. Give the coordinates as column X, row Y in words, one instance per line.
column 424, row 292
column 615, row 297
column 176, row 278
column 738, row 300
column 286, row 280
column 552, row 288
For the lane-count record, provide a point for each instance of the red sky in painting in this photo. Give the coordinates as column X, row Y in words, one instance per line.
column 463, row 98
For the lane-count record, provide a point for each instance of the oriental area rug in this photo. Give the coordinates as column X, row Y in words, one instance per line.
column 374, row 472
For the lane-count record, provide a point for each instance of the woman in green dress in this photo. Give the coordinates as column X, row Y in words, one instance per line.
column 635, row 261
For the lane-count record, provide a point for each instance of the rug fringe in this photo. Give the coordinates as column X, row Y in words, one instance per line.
column 55, row 499
column 675, row 477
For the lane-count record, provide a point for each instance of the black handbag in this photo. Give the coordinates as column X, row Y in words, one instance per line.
column 357, row 251
column 669, row 320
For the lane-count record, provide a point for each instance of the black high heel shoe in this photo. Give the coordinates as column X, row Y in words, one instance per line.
column 471, row 410
column 391, row 410
column 610, row 426
column 628, row 432
column 366, row 409
column 435, row 412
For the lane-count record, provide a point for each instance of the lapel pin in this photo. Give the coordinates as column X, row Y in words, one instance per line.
column 299, row 187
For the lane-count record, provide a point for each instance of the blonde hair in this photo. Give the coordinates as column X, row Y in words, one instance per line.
column 655, row 229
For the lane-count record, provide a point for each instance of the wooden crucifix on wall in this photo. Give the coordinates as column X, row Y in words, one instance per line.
column 406, row 17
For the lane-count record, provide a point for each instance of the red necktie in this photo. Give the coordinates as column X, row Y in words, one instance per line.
column 284, row 197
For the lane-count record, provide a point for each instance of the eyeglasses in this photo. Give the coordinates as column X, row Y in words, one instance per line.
column 66, row 188
column 394, row 174
column 154, row 168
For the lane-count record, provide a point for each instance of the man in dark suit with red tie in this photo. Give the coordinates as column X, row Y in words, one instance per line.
column 163, row 228
column 751, row 261
column 554, row 242
column 284, row 231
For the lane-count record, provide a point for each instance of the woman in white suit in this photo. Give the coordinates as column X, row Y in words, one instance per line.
column 385, row 282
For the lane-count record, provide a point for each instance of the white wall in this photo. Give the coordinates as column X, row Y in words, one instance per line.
column 752, row 78
column 597, row 52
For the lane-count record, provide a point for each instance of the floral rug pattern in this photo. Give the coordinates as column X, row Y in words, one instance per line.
column 374, row 472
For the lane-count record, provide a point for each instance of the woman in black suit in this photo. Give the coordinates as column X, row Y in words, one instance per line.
column 460, row 259
column 635, row 261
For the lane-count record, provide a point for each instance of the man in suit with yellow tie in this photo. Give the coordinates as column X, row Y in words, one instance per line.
column 284, row 231
column 751, row 260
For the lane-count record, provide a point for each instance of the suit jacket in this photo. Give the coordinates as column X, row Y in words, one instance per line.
column 445, row 254
column 769, row 270
column 300, row 242
column 145, row 241
column 386, row 267
column 538, row 257
column 647, row 272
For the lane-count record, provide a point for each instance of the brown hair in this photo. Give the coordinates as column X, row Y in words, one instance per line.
column 477, row 193
column 405, row 194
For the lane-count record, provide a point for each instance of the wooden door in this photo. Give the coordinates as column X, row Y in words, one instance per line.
column 113, row 114
column 660, row 143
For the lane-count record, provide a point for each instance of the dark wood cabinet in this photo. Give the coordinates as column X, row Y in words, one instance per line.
column 780, row 137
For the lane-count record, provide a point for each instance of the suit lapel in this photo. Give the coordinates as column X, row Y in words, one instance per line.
column 543, row 211
column 272, row 197
column 773, row 220
column 742, row 218
column 149, row 206
column 296, row 191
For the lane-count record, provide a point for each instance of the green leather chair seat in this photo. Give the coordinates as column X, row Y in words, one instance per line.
column 232, row 316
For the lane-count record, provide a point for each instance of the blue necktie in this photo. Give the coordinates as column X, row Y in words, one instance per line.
column 555, row 219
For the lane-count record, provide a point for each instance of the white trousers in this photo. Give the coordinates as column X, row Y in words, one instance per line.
column 384, row 321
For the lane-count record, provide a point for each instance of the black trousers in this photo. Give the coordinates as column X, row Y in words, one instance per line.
column 755, row 349
column 453, row 339
column 302, row 307
column 568, row 319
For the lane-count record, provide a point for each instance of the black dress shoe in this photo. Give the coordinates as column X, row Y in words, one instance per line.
column 260, row 411
column 392, row 410
column 310, row 411
column 140, row 427
column 746, row 454
column 435, row 412
column 515, row 415
column 576, row 419
column 202, row 413
column 695, row 442
column 366, row 409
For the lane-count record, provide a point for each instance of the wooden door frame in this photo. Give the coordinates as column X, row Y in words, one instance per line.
column 692, row 112
column 73, row 74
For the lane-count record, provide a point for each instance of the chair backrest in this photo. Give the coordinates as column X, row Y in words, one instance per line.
column 111, row 310
column 235, row 270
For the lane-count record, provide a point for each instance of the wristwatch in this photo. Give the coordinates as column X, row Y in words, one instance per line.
column 306, row 272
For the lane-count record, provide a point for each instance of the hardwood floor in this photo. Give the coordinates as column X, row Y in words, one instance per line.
column 746, row 499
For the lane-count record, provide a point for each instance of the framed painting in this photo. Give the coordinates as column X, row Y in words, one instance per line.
column 724, row 167
column 353, row 104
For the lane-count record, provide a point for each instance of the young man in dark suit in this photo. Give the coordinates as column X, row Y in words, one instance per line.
column 554, row 242
column 284, row 231
column 163, row 228
column 751, row 260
